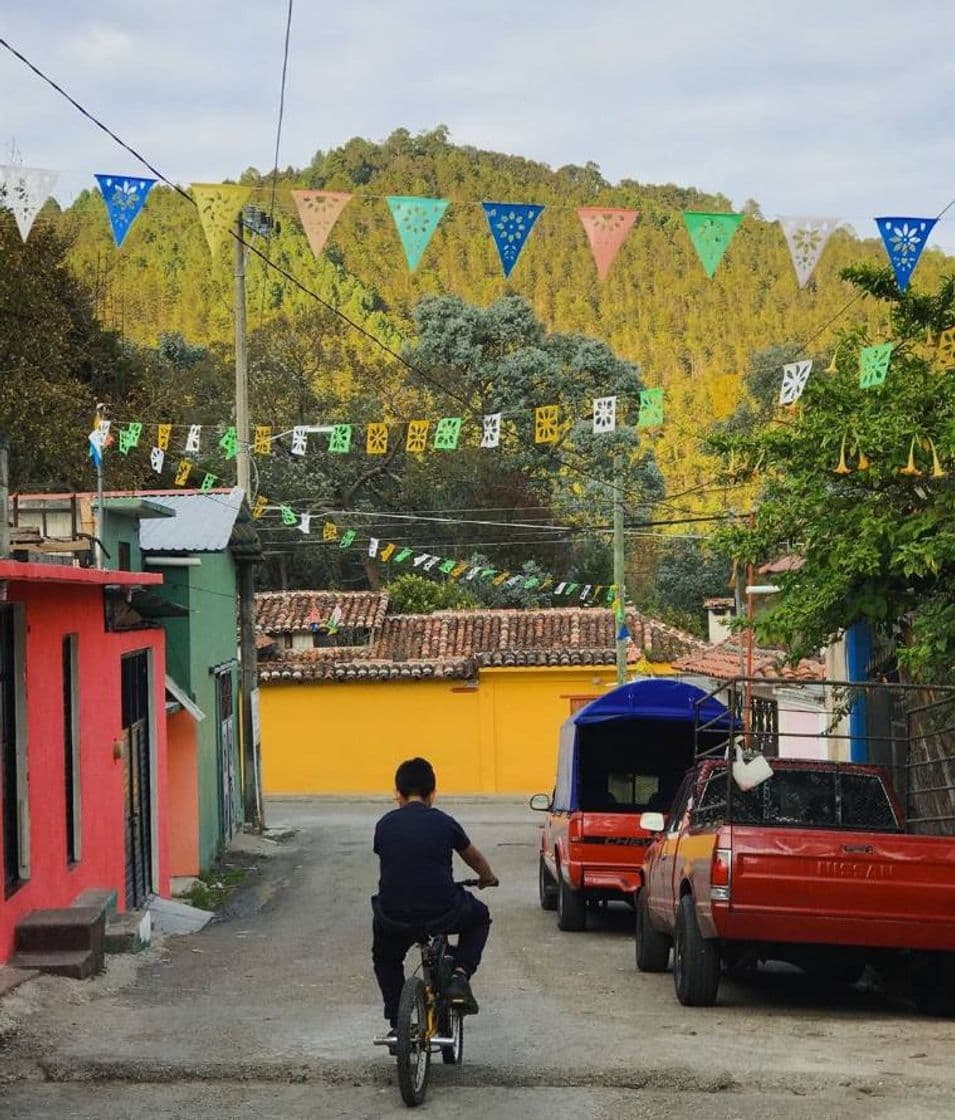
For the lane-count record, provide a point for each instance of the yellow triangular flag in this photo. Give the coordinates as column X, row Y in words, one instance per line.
column 219, row 205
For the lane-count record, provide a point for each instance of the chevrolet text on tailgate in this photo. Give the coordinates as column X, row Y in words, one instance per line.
column 812, row 866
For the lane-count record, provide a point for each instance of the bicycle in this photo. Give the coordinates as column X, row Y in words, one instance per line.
column 427, row 1022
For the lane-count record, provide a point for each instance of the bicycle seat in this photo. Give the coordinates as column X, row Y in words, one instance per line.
column 418, row 926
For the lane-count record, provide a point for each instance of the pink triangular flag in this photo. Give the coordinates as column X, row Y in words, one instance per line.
column 607, row 229
column 319, row 211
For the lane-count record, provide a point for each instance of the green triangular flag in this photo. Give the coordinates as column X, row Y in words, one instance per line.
column 416, row 219
column 711, row 235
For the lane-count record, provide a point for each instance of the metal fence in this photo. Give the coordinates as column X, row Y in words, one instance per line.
column 907, row 729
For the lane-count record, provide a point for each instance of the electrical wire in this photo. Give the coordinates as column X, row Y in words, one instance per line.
column 369, row 335
column 275, row 161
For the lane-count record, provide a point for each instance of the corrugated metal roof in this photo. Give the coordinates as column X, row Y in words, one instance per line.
column 203, row 523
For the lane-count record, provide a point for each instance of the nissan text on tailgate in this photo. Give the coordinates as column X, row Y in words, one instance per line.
column 621, row 755
column 812, row 866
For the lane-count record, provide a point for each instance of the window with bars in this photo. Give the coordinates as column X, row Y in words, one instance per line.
column 71, row 746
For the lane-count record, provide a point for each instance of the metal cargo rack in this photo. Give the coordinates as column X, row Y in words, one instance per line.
column 907, row 729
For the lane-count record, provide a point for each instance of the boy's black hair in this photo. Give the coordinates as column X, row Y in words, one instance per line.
column 415, row 778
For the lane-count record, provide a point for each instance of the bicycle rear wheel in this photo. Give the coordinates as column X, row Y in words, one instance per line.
column 452, row 1026
column 414, row 1051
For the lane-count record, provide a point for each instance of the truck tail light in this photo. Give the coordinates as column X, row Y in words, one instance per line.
column 575, row 828
column 720, row 874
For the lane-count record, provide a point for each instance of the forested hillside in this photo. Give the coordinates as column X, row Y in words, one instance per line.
column 149, row 328
column 658, row 309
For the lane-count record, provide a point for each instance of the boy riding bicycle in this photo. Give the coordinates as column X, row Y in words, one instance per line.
column 414, row 844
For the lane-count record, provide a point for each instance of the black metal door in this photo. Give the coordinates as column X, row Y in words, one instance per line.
column 138, row 794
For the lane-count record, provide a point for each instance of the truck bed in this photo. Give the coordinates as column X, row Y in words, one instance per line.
column 822, row 886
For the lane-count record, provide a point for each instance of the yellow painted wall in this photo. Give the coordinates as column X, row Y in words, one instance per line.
column 347, row 738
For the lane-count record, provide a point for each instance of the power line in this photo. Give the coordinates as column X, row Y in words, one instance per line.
column 400, row 358
column 275, row 161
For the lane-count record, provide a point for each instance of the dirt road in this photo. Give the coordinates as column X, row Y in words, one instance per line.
column 270, row 1012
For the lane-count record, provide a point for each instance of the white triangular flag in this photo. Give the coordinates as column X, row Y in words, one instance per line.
column 305, row 525
column 372, row 546
column 806, row 238
column 157, row 458
column 192, row 440
column 24, row 190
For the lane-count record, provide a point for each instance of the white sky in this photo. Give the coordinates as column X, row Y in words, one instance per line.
column 832, row 107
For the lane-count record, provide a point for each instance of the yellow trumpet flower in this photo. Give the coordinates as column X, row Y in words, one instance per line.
column 842, row 468
column 910, row 468
column 938, row 471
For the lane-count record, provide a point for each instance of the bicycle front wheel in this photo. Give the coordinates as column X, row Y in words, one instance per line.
column 452, row 1026
column 413, row 1046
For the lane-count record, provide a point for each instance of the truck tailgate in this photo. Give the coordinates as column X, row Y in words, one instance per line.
column 611, row 843
column 881, row 888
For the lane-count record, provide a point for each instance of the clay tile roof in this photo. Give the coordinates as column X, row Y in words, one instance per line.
column 782, row 564
column 723, row 662
column 457, row 643
column 280, row 612
column 325, row 670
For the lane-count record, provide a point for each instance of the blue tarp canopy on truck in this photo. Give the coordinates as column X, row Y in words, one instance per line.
column 646, row 726
column 655, row 698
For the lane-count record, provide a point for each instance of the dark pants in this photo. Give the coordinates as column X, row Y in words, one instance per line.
column 472, row 924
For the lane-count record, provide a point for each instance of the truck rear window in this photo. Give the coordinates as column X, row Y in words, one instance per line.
column 803, row 799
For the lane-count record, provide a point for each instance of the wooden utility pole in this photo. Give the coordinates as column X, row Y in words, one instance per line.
column 619, row 574
column 4, row 497
column 248, row 661
column 241, row 366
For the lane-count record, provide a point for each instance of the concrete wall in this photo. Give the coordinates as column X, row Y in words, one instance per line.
column 498, row 736
column 52, row 612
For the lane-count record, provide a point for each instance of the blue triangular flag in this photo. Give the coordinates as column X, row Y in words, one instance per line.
column 124, row 198
column 511, row 224
column 623, row 633
column 416, row 219
column 904, row 241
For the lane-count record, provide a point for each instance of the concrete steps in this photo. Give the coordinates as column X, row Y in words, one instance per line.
column 67, row 942
column 78, row 964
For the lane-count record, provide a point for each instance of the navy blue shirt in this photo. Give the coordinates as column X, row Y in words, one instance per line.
column 414, row 845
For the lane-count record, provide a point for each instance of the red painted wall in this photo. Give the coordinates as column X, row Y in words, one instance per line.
column 53, row 611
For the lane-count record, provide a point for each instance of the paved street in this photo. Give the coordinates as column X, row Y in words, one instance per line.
column 270, row 1012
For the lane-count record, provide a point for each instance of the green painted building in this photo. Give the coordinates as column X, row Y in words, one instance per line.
column 197, row 541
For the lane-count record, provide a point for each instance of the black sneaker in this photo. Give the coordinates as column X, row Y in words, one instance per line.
column 460, row 994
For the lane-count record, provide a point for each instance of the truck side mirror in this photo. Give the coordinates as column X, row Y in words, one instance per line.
column 652, row 822
column 540, row 802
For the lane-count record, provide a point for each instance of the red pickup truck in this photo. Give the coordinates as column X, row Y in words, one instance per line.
column 812, row 866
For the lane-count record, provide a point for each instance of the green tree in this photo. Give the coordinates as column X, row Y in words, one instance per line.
column 858, row 483
column 688, row 570
column 413, row 594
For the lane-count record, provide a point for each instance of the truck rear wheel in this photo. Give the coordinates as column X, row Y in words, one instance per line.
column 653, row 947
column 571, row 907
column 933, row 984
column 696, row 960
column 546, row 887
